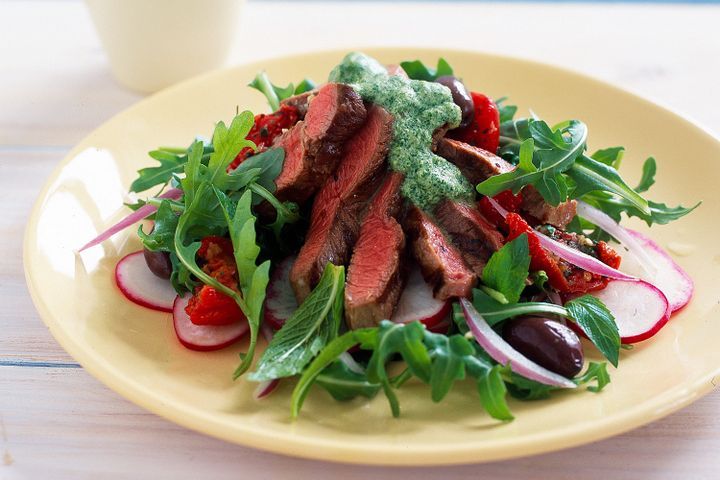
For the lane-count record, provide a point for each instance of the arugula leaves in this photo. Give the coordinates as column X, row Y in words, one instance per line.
column 307, row 331
column 526, row 389
column 555, row 152
column 172, row 162
column 275, row 94
column 417, row 70
column 435, row 359
column 553, row 160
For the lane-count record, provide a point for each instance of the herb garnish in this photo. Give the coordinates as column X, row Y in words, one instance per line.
column 307, row 331
column 275, row 94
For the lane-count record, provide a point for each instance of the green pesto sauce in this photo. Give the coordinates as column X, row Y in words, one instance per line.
column 419, row 108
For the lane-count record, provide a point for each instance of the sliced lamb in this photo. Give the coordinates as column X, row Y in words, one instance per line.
column 441, row 264
column 374, row 278
column 542, row 212
column 477, row 165
column 300, row 101
column 314, row 146
column 340, row 203
column 474, row 236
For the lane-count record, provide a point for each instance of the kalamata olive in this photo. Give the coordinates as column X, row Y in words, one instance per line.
column 547, row 342
column 460, row 96
column 158, row 262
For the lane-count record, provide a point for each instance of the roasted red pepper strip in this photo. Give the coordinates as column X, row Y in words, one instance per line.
column 266, row 129
column 484, row 130
column 208, row 306
column 562, row 276
column 507, row 200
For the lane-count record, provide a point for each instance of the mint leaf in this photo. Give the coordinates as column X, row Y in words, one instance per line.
column 508, row 268
column 598, row 323
column 310, row 328
column 417, row 70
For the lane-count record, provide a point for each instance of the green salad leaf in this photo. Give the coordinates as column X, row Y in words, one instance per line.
column 598, row 324
column 172, row 162
column 525, row 389
column 345, row 384
column 253, row 278
column 591, row 315
column 435, row 359
column 307, row 331
column 275, row 94
column 507, row 269
column 417, row 70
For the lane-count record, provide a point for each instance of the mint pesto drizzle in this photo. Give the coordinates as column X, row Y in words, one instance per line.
column 419, row 108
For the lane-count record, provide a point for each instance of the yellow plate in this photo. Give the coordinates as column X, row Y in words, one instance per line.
column 134, row 351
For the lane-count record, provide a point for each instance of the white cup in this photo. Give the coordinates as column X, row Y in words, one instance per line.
column 154, row 43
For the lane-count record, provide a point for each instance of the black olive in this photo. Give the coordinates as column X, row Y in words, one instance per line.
column 158, row 262
column 546, row 342
column 460, row 96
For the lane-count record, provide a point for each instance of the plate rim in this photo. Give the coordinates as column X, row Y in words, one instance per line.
column 264, row 439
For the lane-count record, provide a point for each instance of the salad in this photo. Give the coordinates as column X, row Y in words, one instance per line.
column 393, row 224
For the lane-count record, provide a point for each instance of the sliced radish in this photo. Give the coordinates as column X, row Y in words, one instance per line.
column 266, row 388
column 640, row 308
column 503, row 353
column 204, row 337
column 135, row 280
column 280, row 300
column 669, row 277
column 417, row 303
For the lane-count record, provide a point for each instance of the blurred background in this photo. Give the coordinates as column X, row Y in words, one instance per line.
column 53, row 66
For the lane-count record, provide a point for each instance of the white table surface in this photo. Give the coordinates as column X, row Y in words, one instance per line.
column 55, row 86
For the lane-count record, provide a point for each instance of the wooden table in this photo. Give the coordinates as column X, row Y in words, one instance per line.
column 58, row 422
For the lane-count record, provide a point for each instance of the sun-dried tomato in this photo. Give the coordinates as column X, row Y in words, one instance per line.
column 563, row 276
column 208, row 306
column 267, row 127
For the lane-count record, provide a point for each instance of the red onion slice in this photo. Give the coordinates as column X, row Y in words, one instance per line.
column 136, row 216
column 503, row 353
column 604, row 221
column 576, row 257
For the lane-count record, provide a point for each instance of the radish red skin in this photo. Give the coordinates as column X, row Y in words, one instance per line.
column 653, row 293
column 684, row 285
column 214, row 337
column 131, row 272
column 417, row 303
